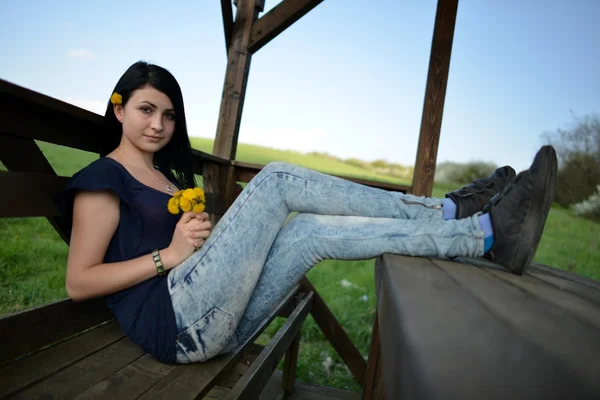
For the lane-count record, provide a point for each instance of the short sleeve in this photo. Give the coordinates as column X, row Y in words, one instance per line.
column 102, row 174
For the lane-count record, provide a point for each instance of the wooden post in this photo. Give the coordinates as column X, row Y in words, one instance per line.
column 435, row 94
column 236, row 78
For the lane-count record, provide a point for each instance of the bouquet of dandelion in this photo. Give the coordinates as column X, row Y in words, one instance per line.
column 187, row 200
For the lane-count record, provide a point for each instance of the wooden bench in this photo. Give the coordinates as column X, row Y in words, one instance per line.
column 68, row 349
column 470, row 329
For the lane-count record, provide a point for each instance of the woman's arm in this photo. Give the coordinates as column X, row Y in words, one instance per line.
column 95, row 220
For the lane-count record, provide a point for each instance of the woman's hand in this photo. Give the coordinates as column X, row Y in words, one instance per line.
column 190, row 233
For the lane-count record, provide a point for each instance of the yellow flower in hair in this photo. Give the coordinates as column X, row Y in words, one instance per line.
column 116, row 98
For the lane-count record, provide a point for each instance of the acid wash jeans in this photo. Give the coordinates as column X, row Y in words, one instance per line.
column 251, row 260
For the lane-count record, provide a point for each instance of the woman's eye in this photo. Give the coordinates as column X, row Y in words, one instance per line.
column 171, row 116
column 146, row 110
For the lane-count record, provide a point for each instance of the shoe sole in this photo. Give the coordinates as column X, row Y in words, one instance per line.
column 532, row 240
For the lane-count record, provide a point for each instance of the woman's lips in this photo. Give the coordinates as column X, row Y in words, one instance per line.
column 153, row 138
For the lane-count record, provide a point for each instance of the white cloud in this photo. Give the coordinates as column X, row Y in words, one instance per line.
column 81, row 54
column 95, row 106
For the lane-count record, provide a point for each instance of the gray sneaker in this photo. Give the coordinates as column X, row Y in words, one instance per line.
column 519, row 213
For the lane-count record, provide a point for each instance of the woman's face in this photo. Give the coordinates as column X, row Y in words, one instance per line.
column 148, row 119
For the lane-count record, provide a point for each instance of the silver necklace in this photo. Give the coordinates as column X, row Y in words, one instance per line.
column 167, row 186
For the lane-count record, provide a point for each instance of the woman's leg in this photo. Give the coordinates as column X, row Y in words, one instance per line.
column 309, row 238
column 211, row 289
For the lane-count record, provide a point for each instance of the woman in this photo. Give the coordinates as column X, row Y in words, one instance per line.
column 185, row 292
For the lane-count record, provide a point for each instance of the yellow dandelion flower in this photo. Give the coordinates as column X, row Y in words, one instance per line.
column 189, row 194
column 198, row 208
column 173, row 206
column 185, row 204
column 199, row 192
column 116, row 98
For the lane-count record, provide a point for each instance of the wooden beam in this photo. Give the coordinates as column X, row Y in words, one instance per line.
column 277, row 20
column 32, row 195
column 23, row 155
column 236, row 79
column 435, row 94
column 227, row 21
column 336, row 335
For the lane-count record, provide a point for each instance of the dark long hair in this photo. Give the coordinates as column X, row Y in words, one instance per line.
column 177, row 154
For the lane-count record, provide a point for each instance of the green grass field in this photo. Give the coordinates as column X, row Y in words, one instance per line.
column 33, row 258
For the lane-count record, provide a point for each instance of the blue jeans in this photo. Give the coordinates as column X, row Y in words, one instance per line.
column 222, row 292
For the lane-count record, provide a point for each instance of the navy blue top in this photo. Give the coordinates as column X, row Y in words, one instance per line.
column 144, row 311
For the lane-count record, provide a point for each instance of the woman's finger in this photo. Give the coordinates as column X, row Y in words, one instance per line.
column 202, row 234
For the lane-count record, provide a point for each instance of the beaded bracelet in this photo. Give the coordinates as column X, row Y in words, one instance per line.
column 159, row 264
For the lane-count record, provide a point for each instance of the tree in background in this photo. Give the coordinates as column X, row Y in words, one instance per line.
column 463, row 173
column 578, row 150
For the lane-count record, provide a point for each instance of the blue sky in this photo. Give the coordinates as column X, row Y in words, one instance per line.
column 348, row 78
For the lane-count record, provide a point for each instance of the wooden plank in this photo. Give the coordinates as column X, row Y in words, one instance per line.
column 437, row 338
column 278, row 19
column 560, row 334
column 32, row 195
column 336, row 335
column 251, row 384
column 130, row 381
column 582, row 280
column 39, row 327
column 192, row 381
column 246, row 171
column 29, row 370
column 236, row 79
column 310, row 391
column 79, row 377
column 584, row 310
column 570, row 286
column 435, row 95
column 227, row 13
column 196, row 380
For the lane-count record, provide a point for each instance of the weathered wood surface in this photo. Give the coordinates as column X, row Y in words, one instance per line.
column 236, row 79
column 435, row 95
column 468, row 327
column 34, row 329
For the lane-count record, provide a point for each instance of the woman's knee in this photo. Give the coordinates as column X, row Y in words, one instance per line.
column 276, row 166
